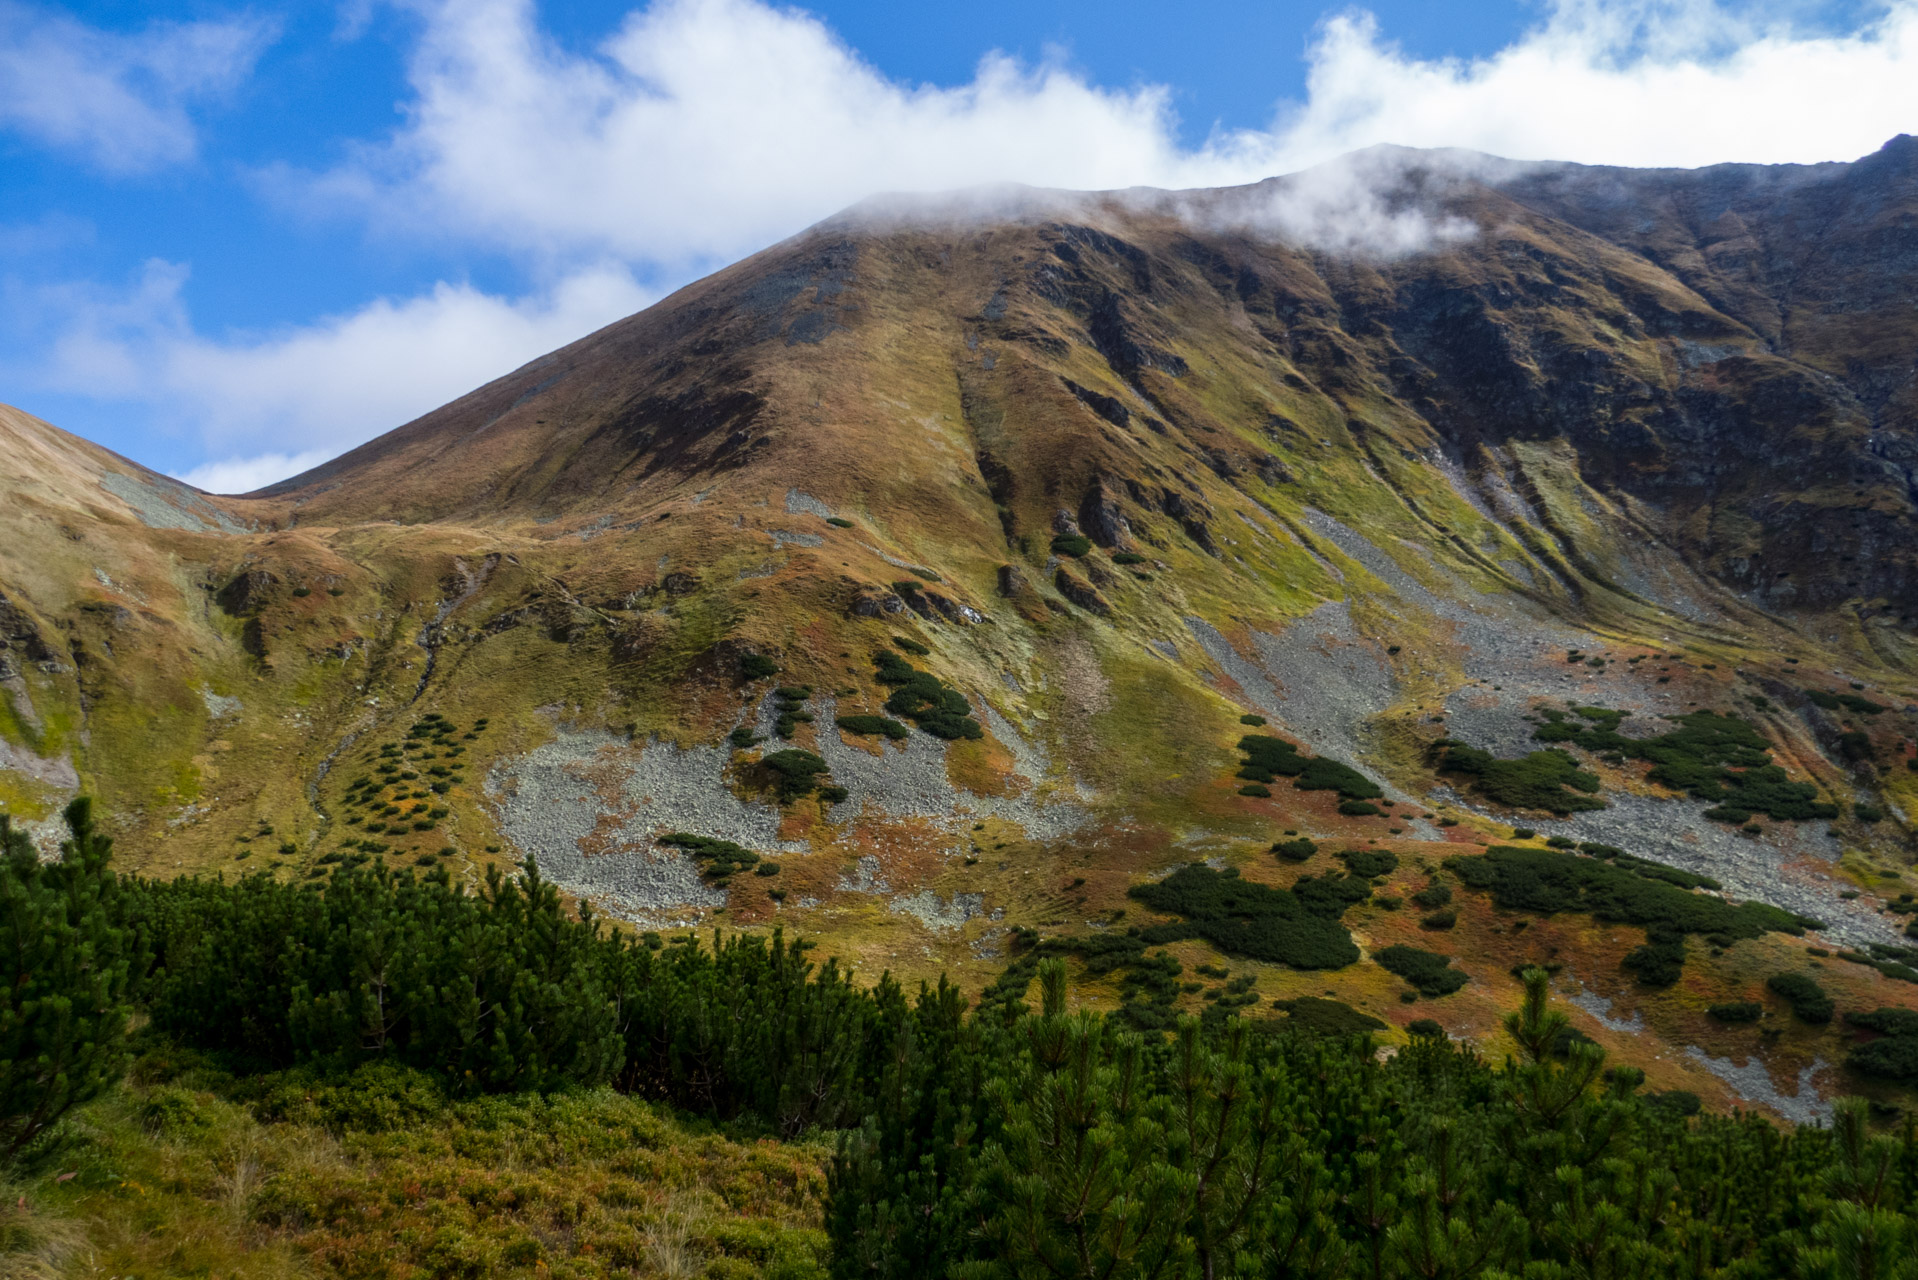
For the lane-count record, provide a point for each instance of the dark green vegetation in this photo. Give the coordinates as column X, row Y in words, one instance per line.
column 377, row 1003
column 1132, row 557
column 1369, row 864
column 1894, row 1054
column 1627, row 890
column 840, row 522
column 1428, row 971
column 922, row 698
column 795, row 773
column 1549, row 780
column 869, row 726
column 1714, row 757
column 912, row 646
column 1296, row 850
column 392, row 798
column 1737, row 1011
column 1845, row 702
column 1071, row 544
column 718, row 860
column 1807, row 999
column 791, row 702
column 65, row 958
column 1297, row 926
column 756, row 666
column 1268, row 758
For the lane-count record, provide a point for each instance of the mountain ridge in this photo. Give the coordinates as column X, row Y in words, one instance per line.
column 1131, row 485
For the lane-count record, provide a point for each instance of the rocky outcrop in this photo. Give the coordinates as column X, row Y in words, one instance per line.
column 1081, row 592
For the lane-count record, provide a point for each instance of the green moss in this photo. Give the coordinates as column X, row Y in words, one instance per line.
column 1428, row 971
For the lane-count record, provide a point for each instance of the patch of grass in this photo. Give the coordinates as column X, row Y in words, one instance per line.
column 871, row 726
column 1297, row 926
column 1807, row 999
column 1428, row 971
column 1550, row 780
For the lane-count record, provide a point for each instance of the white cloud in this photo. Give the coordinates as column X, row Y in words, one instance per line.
column 706, row 128
column 296, row 397
column 119, row 100
column 244, row 475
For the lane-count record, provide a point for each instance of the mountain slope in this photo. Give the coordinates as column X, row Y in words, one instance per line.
column 1121, row 470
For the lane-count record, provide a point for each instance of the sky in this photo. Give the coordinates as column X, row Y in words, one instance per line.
column 237, row 239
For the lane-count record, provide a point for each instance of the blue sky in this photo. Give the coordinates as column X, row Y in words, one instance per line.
column 236, row 239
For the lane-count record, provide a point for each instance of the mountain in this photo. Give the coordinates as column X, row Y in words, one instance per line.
column 1416, row 450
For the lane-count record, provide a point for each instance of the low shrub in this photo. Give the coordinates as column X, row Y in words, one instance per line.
column 911, row 646
column 1251, row 719
column 1440, row 919
column 1425, row 1027
column 1257, row 790
column 1660, row 962
column 1127, row 557
column 1358, row 809
column 1268, row 757
column 1071, row 544
column 919, row 696
column 840, row 522
column 1297, row 926
column 795, row 772
column 1369, row 864
column 1316, row 1015
column 1846, row 702
column 1868, row 813
column 1296, row 850
column 1433, row 896
column 870, row 726
column 717, row 859
column 1428, row 971
column 1808, row 1000
column 757, row 666
column 1549, row 780
column 1736, row 1011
